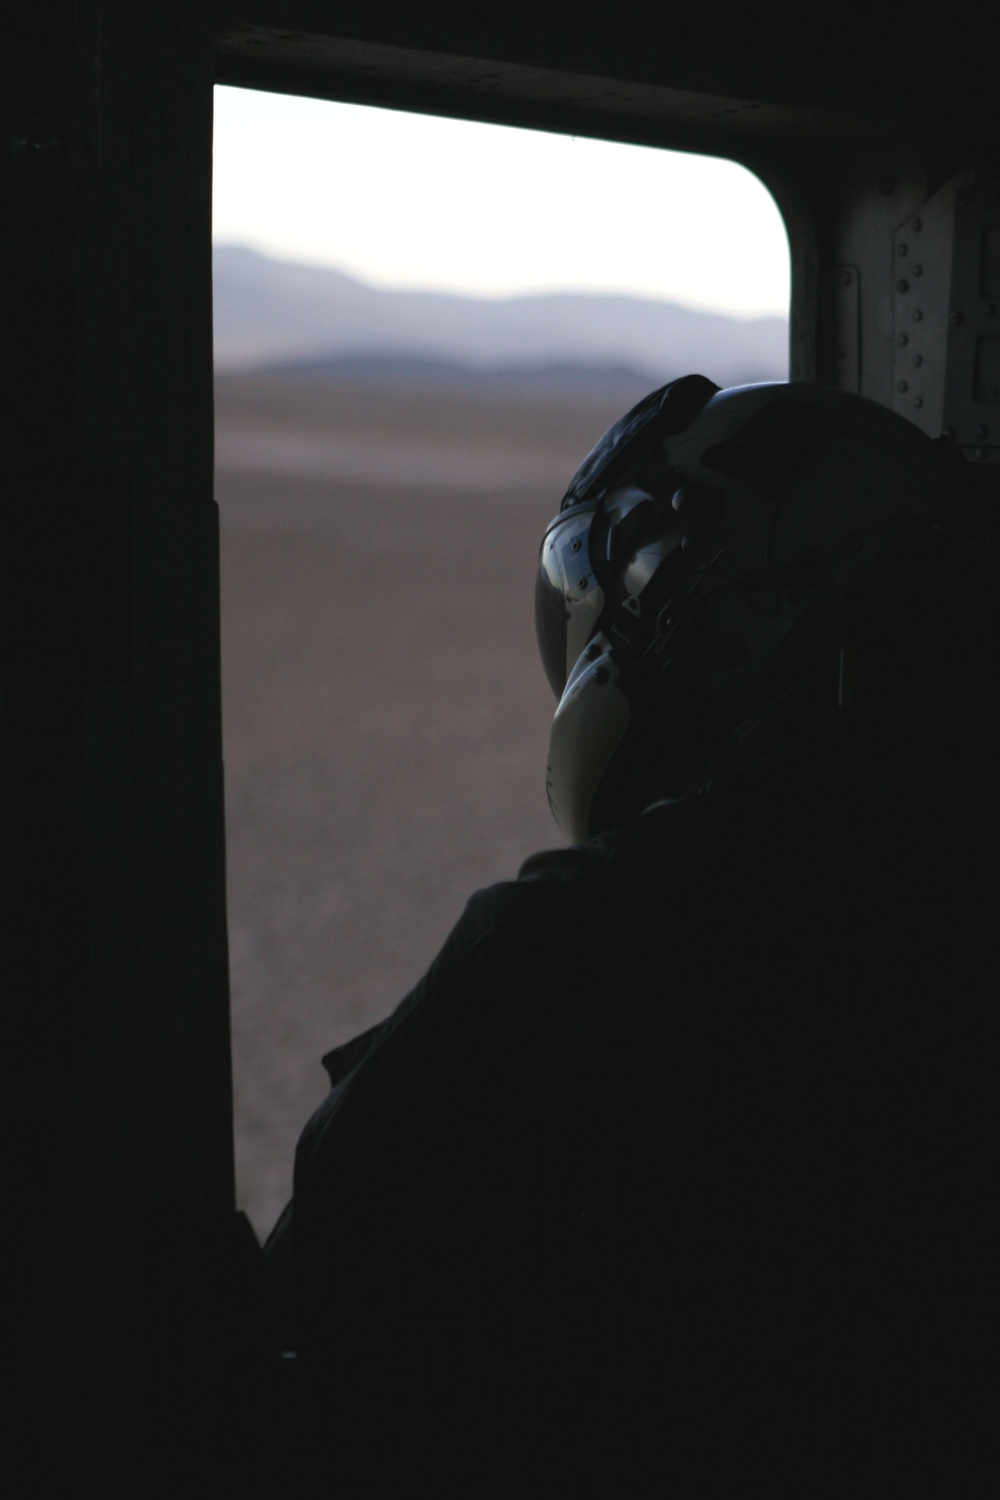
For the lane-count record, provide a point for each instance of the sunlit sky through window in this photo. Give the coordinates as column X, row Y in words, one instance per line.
column 415, row 201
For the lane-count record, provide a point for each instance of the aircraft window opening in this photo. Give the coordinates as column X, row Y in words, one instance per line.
column 392, row 436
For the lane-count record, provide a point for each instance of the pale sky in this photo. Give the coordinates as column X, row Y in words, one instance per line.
column 415, row 201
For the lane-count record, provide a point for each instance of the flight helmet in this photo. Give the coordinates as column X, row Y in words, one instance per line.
column 720, row 559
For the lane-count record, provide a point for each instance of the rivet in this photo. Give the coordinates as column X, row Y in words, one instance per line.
column 902, row 386
column 582, row 584
column 955, row 318
column 980, row 452
column 903, row 340
column 917, row 271
column 917, row 315
column 592, row 652
column 576, row 545
column 902, row 286
column 900, row 249
column 918, row 360
column 601, row 674
column 918, row 401
column 917, row 224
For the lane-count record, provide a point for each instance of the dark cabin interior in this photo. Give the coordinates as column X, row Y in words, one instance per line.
column 129, row 1272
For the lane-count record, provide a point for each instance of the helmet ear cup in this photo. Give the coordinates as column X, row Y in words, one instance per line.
column 659, row 757
column 590, row 722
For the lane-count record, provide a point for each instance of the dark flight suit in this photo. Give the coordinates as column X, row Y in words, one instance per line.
column 673, row 1166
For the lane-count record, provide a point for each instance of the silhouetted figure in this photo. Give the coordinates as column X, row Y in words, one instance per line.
column 674, row 1169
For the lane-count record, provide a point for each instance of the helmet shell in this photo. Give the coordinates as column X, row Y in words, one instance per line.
column 707, row 558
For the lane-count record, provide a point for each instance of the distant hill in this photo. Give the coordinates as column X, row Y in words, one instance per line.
column 399, row 372
column 272, row 313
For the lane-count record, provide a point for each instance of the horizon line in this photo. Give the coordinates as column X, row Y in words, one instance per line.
column 484, row 295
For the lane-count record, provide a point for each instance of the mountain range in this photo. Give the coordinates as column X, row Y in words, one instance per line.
column 277, row 314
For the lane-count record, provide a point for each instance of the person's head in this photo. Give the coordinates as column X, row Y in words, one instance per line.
column 735, row 572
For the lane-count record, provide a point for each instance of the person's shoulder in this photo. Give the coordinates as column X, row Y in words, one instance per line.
column 556, row 866
column 608, row 859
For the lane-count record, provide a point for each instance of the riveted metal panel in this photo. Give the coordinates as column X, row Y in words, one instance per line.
column 947, row 317
column 972, row 367
column 847, row 281
column 922, row 271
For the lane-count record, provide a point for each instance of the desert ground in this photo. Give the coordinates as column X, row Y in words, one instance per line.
column 385, row 713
